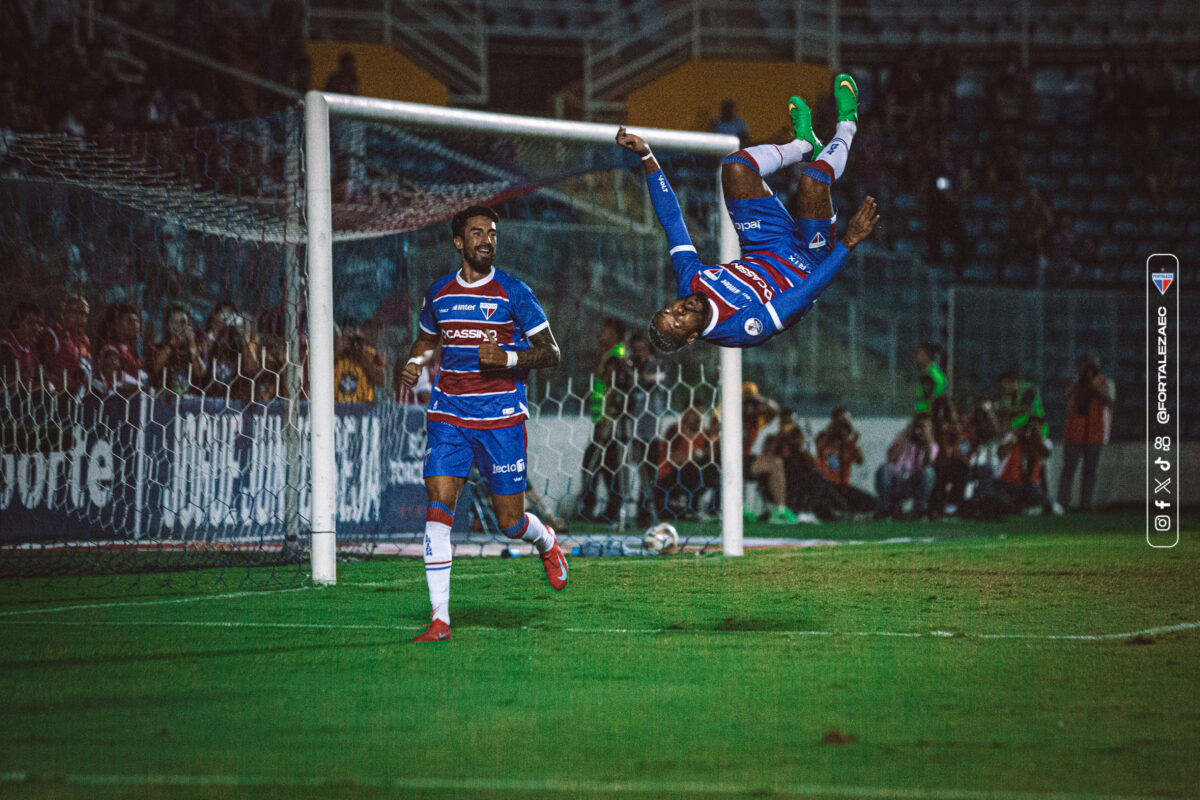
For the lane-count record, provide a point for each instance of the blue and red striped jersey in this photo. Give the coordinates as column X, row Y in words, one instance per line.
column 461, row 313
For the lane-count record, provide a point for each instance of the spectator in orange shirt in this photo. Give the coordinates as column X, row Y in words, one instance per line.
column 1089, row 421
column 686, row 467
column 1022, row 481
column 837, row 453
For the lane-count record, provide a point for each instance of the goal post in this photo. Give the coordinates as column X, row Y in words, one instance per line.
column 319, row 108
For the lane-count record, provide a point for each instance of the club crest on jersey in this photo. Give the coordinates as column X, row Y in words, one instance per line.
column 712, row 274
column 488, row 309
column 817, row 241
column 753, row 326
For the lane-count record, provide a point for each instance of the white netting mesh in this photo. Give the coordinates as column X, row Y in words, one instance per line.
column 163, row 424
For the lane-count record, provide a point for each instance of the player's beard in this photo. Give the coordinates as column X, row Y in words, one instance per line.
column 480, row 262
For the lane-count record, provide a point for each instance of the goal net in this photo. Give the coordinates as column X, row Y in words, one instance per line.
column 179, row 433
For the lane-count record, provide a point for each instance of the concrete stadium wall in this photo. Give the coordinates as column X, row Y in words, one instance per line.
column 556, row 454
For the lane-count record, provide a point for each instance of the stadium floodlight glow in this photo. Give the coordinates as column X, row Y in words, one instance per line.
column 319, row 106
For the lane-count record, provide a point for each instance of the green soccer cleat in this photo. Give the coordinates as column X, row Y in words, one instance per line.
column 845, row 94
column 802, row 123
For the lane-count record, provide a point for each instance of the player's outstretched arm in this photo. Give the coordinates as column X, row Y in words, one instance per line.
column 666, row 207
column 542, row 352
column 637, row 145
column 796, row 302
column 418, row 356
column 862, row 223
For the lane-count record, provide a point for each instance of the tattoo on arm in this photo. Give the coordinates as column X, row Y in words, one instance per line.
column 542, row 353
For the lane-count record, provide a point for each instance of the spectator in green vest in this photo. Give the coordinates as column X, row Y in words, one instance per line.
column 932, row 381
column 1019, row 400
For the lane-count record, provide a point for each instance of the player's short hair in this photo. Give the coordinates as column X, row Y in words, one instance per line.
column 459, row 223
column 660, row 340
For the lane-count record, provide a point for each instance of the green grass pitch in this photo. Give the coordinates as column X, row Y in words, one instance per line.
column 1060, row 659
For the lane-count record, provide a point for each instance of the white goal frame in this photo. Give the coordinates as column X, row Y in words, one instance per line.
column 318, row 106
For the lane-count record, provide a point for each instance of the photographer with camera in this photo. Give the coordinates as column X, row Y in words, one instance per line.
column 1089, row 421
column 908, row 472
column 233, row 360
column 1022, row 483
column 176, row 360
column 837, row 452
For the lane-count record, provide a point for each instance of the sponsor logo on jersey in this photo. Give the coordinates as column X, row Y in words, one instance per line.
column 763, row 287
column 488, row 309
column 753, row 326
column 817, row 241
column 795, row 261
column 662, row 183
column 751, row 224
column 470, row 333
column 464, row 307
column 507, row 411
column 712, row 274
column 503, row 469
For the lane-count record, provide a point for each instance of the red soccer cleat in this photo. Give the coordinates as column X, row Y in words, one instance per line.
column 556, row 565
column 438, row 631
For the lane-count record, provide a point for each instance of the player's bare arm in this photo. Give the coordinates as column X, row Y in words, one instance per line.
column 637, row 145
column 861, row 224
column 418, row 356
column 543, row 352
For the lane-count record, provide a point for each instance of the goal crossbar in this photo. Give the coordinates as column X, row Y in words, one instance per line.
column 319, row 106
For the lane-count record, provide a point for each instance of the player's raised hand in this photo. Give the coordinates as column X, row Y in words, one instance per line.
column 631, row 141
column 862, row 223
column 490, row 353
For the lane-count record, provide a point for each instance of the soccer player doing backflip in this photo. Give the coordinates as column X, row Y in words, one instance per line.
column 784, row 265
column 492, row 330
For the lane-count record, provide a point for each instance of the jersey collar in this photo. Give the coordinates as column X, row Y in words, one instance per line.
column 716, row 317
column 458, row 277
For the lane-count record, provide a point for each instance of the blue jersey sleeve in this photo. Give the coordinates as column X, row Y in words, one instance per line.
column 793, row 304
column 683, row 252
column 426, row 321
column 527, row 311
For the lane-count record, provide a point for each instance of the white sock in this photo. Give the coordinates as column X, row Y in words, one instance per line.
column 774, row 157
column 538, row 534
column 438, row 559
column 838, row 149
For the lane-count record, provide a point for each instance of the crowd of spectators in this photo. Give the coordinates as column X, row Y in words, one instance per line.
column 59, row 74
column 978, row 458
column 231, row 356
column 924, row 141
column 983, row 457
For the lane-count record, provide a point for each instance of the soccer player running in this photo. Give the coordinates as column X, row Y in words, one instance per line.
column 492, row 330
column 784, row 266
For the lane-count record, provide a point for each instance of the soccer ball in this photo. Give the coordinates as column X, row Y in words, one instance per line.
column 660, row 537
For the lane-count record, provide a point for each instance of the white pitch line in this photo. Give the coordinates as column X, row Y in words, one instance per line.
column 227, row 596
column 163, row 602
column 555, row 786
column 1183, row 626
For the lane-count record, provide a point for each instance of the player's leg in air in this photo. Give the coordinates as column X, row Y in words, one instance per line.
column 500, row 456
column 816, row 225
